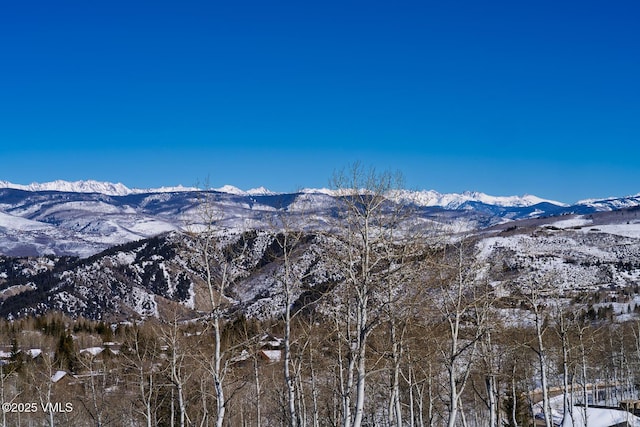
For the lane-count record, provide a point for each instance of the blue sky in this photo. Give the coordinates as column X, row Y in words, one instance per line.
column 501, row 97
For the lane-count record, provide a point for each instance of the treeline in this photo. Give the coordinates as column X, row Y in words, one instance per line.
column 159, row 373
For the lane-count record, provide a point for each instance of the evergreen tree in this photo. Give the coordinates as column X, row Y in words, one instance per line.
column 66, row 356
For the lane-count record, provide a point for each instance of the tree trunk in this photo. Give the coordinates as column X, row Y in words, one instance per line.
column 258, row 391
column 542, row 362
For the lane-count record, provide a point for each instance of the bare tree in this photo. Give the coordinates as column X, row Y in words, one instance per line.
column 491, row 365
column 565, row 324
column 461, row 301
column 220, row 253
column 366, row 243
column 292, row 243
column 177, row 368
column 141, row 358
column 287, row 241
column 535, row 290
column 98, row 382
column 586, row 341
column 402, row 300
column 42, row 379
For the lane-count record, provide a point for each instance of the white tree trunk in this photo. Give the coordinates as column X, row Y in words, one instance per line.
column 258, row 391
column 542, row 363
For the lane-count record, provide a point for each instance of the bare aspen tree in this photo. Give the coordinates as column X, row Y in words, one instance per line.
column 421, row 377
column 460, row 297
column 585, row 342
column 401, row 301
column 97, row 401
column 402, row 297
column 177, row 369
column 311, row 346
column 219, row 252
column 41, row 377
column 521, row 364
column 310, row 365
column 141, row 357
column 428, row 377
column 491, row 367
column 535, row 290
column 489, row 328
column 564, row 325
column 256, row 374
column 210, row 251
column 368, row 223
column 287, row 240
column 251, row 351
column 396, row 335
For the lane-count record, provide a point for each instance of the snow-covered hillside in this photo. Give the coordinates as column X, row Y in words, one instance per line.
column 519, row 240
column 85, row 217
column 455, row 200
column 451, row 200
column 569, row 257
column 147, row 278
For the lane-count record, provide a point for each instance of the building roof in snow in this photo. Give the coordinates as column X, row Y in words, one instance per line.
column 271, row 355
column 58, row 376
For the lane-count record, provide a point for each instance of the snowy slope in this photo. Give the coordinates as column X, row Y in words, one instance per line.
column 455, row 200
column 612, row 203
column 573, row 255
column 85, row 217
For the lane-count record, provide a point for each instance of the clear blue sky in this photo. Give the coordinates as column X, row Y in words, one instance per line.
column 513, row 97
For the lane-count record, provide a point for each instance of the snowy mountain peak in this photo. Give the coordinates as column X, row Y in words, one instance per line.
column 325, row 191
column 260, row 191
column 91, row 186
column 37, row 220
column 420, row 198
column 230, row 189
column 174, row 189
column 606, row 199
column 611, row 203
column 452, row 200
column 508, row 201
column 455, row 200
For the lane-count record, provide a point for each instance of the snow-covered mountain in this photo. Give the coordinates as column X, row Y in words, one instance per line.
column 85, row 217
column 451, row 200
column 130, row 257
column 231, row 189
column 456, row 201
column 587, row 256
column 91, row 186
column 147, row 278
column 421, row 198
column 611, row 203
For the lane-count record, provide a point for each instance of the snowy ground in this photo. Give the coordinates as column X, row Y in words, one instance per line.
column 596, row 417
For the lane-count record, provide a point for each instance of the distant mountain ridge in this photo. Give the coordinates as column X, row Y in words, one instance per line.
column 125, row 254
column 83, row 218
column 91, row 186
column 420, row 197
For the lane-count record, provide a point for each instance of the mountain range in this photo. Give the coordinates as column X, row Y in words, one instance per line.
column 85, row 217
column 72, row 247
